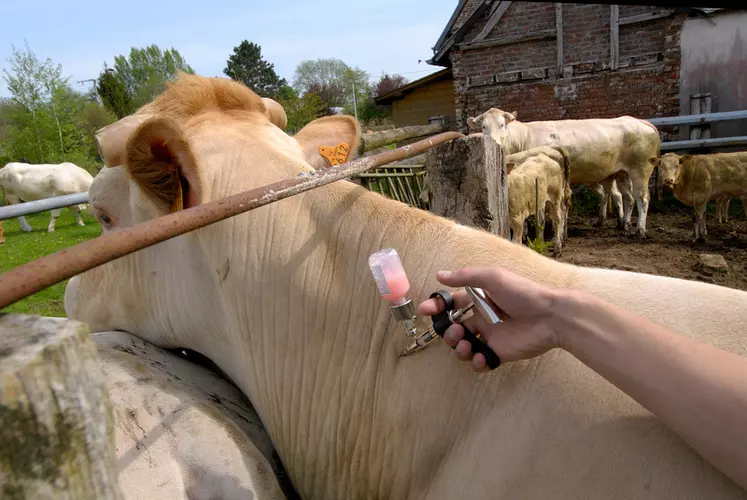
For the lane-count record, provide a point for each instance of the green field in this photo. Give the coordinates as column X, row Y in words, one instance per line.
column 21, row 247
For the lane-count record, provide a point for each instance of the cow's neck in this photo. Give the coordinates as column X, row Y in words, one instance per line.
column 316, row 350
column 518, row 139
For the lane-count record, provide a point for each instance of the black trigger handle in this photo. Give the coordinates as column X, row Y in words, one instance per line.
column 441, row 322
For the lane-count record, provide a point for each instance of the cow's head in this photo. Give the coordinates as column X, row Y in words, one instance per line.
column 669, row 164
column 494, row 122
column 204, row 139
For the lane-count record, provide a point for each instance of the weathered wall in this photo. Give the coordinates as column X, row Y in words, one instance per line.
column 431, row 99
column 516, row 65
column 714, row 60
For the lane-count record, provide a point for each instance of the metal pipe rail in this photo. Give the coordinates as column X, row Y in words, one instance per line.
column 665, row 121
column 29, row 278
column 704, row 143
column 33, row 207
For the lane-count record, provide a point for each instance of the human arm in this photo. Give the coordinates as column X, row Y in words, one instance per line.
column 698, row 390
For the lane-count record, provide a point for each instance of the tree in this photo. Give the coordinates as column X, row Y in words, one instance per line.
column 333, row 80
column 300, row 110
column 388, row 83
column 247, row 66
column 46, row 120
column 144, row 72
column 114, row 94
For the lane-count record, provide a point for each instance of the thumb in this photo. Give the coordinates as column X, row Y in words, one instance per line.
column 481, row 277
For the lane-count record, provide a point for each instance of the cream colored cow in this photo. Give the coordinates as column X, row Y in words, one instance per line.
column 625, row 149
column 23, row 182
column 539, row 175
column 698, row 179
column 281, row 298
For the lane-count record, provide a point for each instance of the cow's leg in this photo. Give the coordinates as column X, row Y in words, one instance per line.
column 24, row 224
column 699, row 230
column 617, row 202
column 55, row 214
column 13, row 200
column 625, row 186
column 2, row 233
column 556, row 216
column 517, row 226
column 639, row 183
column 602, row 193
column 78, row 217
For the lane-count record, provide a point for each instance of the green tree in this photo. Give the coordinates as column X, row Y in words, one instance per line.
column 300, row 110
column 333, row 80
column 46, row 120
column 144, row 72
column 117, row 100
column 247, row 66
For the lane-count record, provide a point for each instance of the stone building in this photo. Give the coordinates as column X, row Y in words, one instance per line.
column 565, row 60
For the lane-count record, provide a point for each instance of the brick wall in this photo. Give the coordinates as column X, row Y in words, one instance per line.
column 523, row 76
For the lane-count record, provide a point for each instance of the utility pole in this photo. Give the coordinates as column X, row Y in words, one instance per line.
column 95, row 90
column 355, row 102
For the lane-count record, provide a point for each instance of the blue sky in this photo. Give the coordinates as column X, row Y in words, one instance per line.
column 380, row 36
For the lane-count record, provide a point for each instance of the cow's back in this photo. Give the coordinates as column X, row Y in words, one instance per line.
column 598, row 147
column 728, row 172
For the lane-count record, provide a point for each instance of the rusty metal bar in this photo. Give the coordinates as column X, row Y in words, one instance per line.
column 34, row 276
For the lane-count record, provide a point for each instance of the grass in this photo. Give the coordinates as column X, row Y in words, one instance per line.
column 21, row 247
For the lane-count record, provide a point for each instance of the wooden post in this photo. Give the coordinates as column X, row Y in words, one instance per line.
column 56, row 425
column 614, row 37
column 467, row 183
column 559, row 38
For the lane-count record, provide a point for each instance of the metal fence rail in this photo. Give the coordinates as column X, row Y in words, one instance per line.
column 701, row 119
column 33, row 207
column 666, row 121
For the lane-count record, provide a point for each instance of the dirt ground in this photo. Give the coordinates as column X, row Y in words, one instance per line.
column 668, row 250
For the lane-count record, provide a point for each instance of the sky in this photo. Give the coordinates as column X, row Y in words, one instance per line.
column 377, row 36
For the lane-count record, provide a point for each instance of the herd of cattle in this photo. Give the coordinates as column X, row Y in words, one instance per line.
column 615, row 157
column 281, row 300
column 544, row 160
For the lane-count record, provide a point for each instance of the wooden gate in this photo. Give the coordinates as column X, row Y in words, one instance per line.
column 403, row 183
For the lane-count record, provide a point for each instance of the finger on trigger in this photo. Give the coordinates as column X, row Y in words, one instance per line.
column 453, row 334
column 464, row 350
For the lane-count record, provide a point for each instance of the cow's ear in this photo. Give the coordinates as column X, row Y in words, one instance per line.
column 472, row 122
column 511, row 116
column 340, row 132
column 685, row 159
column 161, row 162
column 275, row 112
column 510, row 166
column 112, row 139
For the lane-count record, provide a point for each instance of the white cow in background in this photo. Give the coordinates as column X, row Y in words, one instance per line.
column 22, row 182
column 600, row 150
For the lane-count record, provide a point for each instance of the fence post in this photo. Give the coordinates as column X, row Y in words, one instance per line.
column 56, row 424
column 467, row 183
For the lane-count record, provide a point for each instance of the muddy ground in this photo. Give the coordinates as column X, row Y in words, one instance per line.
column 668, row 250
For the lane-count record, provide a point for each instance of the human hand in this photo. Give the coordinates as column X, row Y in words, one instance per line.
column 524, row 306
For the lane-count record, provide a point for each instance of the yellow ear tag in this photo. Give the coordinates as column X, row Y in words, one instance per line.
column 335, row 155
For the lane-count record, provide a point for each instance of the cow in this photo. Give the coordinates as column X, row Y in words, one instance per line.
column 23, row 182
column 180, row 430
column 281, row 298
column 625, row 149
column 722, row 207
column 697, row 179
column 539, row 176
column 2, row 233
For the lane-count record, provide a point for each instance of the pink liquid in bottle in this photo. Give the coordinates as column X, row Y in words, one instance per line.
column 390, row 276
